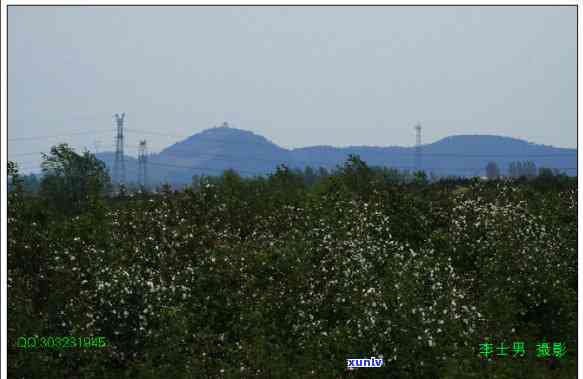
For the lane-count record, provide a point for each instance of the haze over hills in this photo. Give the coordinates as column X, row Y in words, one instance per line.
column 214, row 150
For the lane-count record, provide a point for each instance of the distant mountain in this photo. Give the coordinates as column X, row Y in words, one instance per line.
column 215, row 150
column 459, row 155
column 464, row 155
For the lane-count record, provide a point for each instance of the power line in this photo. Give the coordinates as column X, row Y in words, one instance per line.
column 221, row 142
column 60, row 135
column 400, row 154
column 154, row 133
column 292, row 161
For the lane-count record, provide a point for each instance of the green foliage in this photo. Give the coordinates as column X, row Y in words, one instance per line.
column 269, row 277
column 71, row 180
column 356, row 175
column 15, row 182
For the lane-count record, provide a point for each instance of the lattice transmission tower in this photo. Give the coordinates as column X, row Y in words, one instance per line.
column 119, row 167
column 143, row 165
column 418, row 151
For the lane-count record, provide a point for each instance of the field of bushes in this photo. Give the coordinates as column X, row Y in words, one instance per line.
column 274, row 278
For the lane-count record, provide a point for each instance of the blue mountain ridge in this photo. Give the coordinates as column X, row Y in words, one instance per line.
column 214, row 150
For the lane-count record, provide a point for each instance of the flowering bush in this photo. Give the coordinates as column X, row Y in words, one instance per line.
column 239, row 279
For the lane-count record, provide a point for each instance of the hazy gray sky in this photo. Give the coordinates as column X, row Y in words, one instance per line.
column 299, row 76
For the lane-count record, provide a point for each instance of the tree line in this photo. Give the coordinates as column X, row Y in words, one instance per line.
column 68, row 177
column 280, row 276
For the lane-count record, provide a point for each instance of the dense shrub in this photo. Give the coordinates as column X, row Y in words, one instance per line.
column 242, row 278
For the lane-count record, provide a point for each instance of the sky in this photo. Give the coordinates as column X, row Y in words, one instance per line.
column 299, row 76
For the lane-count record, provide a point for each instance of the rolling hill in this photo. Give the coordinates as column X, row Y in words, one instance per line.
column 214, row 150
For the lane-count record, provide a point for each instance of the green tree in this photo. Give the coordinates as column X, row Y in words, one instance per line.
column 14, row 179
column 546, row 173
column 286, row 185
column 420, row 178
column 12, row 168
column 389, row 175
column 31, row 183
column 72, row 181
column 356, row 176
